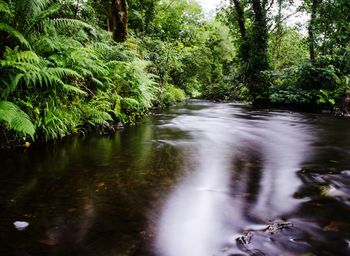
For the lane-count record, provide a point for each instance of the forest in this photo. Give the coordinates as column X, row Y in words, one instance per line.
column 159, row 128
column 74, row 66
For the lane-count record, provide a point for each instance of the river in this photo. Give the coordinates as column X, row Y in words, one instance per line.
column 201, row 179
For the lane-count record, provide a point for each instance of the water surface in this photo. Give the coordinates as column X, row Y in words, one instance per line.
column 203, row 179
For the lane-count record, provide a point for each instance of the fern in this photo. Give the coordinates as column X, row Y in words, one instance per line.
column 31, row 70
column 15, row 33
column 42, row 19
column 74, row 89
column 99, row 117
column 62, row 72
column 130, row 105
column 30, row 8
column 50, row 64
column 15, row 119
column 63, row 23
column 95, row 116
column 15, row 55
column 5, row 8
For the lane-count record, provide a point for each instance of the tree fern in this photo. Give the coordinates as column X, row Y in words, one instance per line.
column 15, row 119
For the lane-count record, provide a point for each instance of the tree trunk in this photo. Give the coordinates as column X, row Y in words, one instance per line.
column 120, row 16
column 259, row 53
column 260, row 33
column 110, row 21
column 312, row 30
column 244, row 51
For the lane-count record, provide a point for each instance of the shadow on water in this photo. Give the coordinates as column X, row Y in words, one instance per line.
column 202, row 179
column 85, row 197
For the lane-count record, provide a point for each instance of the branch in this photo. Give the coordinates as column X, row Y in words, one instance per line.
column 271, row 4
column 166, row 8
column 285, row 18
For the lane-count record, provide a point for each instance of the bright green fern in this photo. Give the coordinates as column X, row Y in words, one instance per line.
column 15, row 119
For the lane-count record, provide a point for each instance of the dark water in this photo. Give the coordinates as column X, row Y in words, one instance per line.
column 198, row 180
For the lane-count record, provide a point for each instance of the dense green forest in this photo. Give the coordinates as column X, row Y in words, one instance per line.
column 71, row 66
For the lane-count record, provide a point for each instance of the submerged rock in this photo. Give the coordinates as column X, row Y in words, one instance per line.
column 278, row 226
column 343, row 105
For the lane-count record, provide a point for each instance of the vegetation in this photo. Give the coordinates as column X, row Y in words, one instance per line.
column 281, row 64
column 68, row 66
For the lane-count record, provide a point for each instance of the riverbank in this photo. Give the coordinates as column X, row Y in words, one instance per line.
column 110, row 127
column 9, row 138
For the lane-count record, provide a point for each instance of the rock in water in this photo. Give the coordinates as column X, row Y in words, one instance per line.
column 21, row 225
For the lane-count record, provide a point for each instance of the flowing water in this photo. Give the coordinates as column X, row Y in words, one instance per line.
column 204, row 179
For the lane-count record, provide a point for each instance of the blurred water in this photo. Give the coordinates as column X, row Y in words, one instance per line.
column 206, row 209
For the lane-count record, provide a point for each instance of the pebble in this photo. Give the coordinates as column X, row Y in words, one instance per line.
column 21, row 225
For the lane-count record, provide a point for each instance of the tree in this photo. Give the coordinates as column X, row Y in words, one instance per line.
column 244, row 48
column 254, row 48
column 142, row 14
column 311, row 29
column 120, row 17
column 259, row 54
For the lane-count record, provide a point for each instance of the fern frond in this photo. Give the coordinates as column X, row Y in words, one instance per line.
column 74, row 89
column 63, row 72
column 63, row 23
column 115, row 63
column 99, row 117
column 95, row 116
column 102, row 46
column 21, row 56
column 130, row 104
column 41, row 20
column 40, row 5
column 30, row 8
column 5, row 8
column 97, row 82
column 20, row 66
column 15, row 33
column 45, row 44
column 16, row 119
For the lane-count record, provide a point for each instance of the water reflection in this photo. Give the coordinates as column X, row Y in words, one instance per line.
column 84, row 197
column 244, row 173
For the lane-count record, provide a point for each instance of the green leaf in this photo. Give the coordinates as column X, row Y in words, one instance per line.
column 16, row 119
column 15, row 33
column 5, row 8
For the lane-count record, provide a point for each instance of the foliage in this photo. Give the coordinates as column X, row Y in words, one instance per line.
column 291, row 95
column 67, row 82
column 61, row 71
column 172, row 95
column 287, row 47
column 294, row 78
column 16, row 119
column 176, row 20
